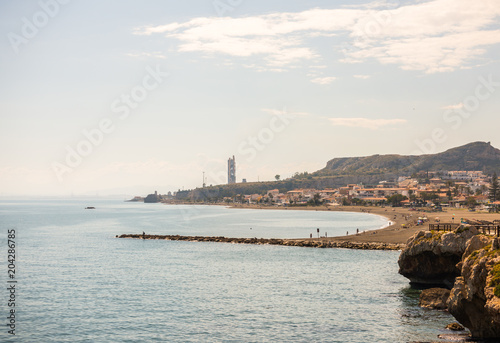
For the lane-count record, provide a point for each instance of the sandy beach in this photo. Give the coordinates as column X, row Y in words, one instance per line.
column 395, row 233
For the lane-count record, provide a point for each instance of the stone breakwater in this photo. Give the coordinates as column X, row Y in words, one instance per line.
column 274, row 241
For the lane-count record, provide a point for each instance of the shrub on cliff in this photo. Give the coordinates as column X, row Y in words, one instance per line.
column 495, row 279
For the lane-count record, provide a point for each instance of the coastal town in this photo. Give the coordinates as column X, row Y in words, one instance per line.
column 444, row 189
column 472, row 190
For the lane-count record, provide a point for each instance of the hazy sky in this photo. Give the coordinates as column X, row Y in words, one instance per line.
column 128, row 97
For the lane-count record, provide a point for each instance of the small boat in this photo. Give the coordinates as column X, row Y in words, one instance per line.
column 90, row 208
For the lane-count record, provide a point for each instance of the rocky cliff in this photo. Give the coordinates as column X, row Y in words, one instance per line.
column 431, row 258
column 475, row 298
column 469, row 261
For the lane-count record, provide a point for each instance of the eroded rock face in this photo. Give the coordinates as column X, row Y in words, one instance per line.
column 472, row 300
column 431, row 258
column 434, row 298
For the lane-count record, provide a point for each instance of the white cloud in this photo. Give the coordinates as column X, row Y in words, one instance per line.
column 430, row 36
column 284, row 111
column 147, row 54
column 363, row 77
column 453, row 107
column 324, row 80
column 372, row 124
column 279, row 38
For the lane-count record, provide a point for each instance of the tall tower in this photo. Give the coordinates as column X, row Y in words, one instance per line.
column 231, row 170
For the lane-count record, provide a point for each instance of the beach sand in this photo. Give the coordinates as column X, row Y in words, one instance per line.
column 395, row 233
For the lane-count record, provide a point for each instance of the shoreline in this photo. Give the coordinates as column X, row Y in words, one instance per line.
column 395, row 233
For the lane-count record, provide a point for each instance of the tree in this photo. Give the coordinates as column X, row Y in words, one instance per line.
column 316, row 200
column 396, row 199
column 493, row 191
column 429, row 196
column 471, row 202
column 412, row 195
column 277, row 177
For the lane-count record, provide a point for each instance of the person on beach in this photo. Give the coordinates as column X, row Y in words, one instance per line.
column 143, row 235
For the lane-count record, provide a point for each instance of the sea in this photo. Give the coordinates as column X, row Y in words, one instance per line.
column 72, row 280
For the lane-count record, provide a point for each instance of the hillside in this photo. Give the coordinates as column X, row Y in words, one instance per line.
column 474, row 156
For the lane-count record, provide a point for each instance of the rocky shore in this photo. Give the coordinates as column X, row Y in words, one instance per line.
column 465, row 261
column 312, row 243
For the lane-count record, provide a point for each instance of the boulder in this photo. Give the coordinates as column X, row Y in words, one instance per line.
column 496, row 243
column 434, row 298
column 431, row 257
column 477, row 242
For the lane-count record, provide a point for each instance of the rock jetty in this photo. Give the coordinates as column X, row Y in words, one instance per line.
column 273, row 241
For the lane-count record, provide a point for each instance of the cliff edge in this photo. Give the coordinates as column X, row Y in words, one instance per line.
column 430, row 258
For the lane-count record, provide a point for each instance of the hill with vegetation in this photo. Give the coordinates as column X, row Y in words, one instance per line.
column 479, row 156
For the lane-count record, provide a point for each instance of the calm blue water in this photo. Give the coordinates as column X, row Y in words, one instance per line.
column 77, row 283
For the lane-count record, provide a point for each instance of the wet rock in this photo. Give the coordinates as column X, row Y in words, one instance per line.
column 454, row 327
column 434, row 298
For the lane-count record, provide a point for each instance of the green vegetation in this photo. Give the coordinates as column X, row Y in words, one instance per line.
column 396, row 199
column 436, row 236
column 495, row 281
column 479, row 156
column 429, row 196
column 473, row 256
column 316, row 200
column 471, row 202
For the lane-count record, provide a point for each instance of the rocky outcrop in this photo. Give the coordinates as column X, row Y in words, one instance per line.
column 273, row 241
column 434, row 298
column 431, row 257
column 475, row 298
column 153, row 198
column 454, row 327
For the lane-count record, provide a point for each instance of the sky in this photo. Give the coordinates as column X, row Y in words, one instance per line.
column 128, row 97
